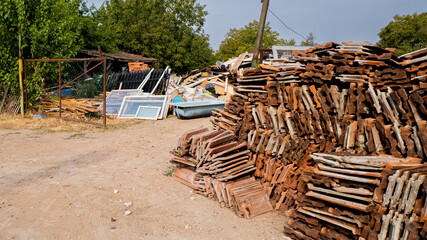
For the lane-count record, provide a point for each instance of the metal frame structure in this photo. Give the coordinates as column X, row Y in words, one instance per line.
column 102, row 61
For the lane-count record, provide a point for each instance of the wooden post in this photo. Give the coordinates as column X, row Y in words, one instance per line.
column 255, row 57
column 104, row 91
column 60, row 92
column 21, row 73
column 104, row 95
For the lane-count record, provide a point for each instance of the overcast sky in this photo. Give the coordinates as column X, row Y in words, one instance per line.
column 329, row 20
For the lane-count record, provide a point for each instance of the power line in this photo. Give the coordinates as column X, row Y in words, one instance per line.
column 286, row 25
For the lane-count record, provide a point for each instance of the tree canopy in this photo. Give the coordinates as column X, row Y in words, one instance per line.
column 238, row 41
column 50, row 29
column 406, row 33
column 168, row 30
column 309, row 40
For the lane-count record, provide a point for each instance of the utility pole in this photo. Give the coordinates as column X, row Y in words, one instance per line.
column 21, row 72
column 255, row 57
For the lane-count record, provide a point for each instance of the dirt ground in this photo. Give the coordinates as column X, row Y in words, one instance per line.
column 61, row 185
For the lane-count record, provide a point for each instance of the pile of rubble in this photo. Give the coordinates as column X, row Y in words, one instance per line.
column 338, row 139
column 209, row 83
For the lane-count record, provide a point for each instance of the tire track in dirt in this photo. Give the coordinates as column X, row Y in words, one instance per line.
column 79, row 161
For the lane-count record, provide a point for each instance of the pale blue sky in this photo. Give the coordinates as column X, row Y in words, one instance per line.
column 329, row 20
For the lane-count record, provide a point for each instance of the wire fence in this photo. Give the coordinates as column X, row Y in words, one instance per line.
column 8, row 99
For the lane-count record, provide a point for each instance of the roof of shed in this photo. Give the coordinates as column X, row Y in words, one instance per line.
column 119, row 56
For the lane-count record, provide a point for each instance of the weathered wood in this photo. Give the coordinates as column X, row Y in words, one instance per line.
column 337, row 222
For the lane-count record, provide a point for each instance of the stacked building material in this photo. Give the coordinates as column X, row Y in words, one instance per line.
column 214, row 153
column 342, row 197
column 254, row 79
column 352, row 116
column 405, row 202
column 415, row 64
column 246, row 196
column 210, row 161
column 352, row 98
column 70, row 107
column 226, row 120
column 354, row 63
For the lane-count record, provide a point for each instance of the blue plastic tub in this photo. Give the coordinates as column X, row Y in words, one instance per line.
column 65, row 92
column 197, row 109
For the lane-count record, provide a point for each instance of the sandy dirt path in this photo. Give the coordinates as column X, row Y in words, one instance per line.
column 61, row 186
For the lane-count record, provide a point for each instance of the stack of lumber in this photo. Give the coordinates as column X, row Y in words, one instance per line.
column 210, row 161
column 70, row 106
column 415, row 64
column 342, row 197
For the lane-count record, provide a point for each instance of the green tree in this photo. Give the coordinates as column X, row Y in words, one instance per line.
column 309, row 40
column 94, row 32
column 242, row 40
column 168, row 30
column 406, row 33
column 50, row 29
column 290, row 42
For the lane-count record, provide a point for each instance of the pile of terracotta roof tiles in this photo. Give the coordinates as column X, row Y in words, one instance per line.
column 338, row 140
column 211, row 162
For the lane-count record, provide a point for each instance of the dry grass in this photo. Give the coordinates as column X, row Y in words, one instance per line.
column 54, row 124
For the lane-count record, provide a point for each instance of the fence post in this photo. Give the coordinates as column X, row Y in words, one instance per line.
column 60, row 92
column 104, row 95
column 25, row 86
column 21, row 67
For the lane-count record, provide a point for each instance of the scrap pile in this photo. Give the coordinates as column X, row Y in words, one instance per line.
column 195, row 86
column 211, row 82
column 210, row 160
column 354, row 98
column 70, row 106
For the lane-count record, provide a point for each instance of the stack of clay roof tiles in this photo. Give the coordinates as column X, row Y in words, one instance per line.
column 338, row 140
